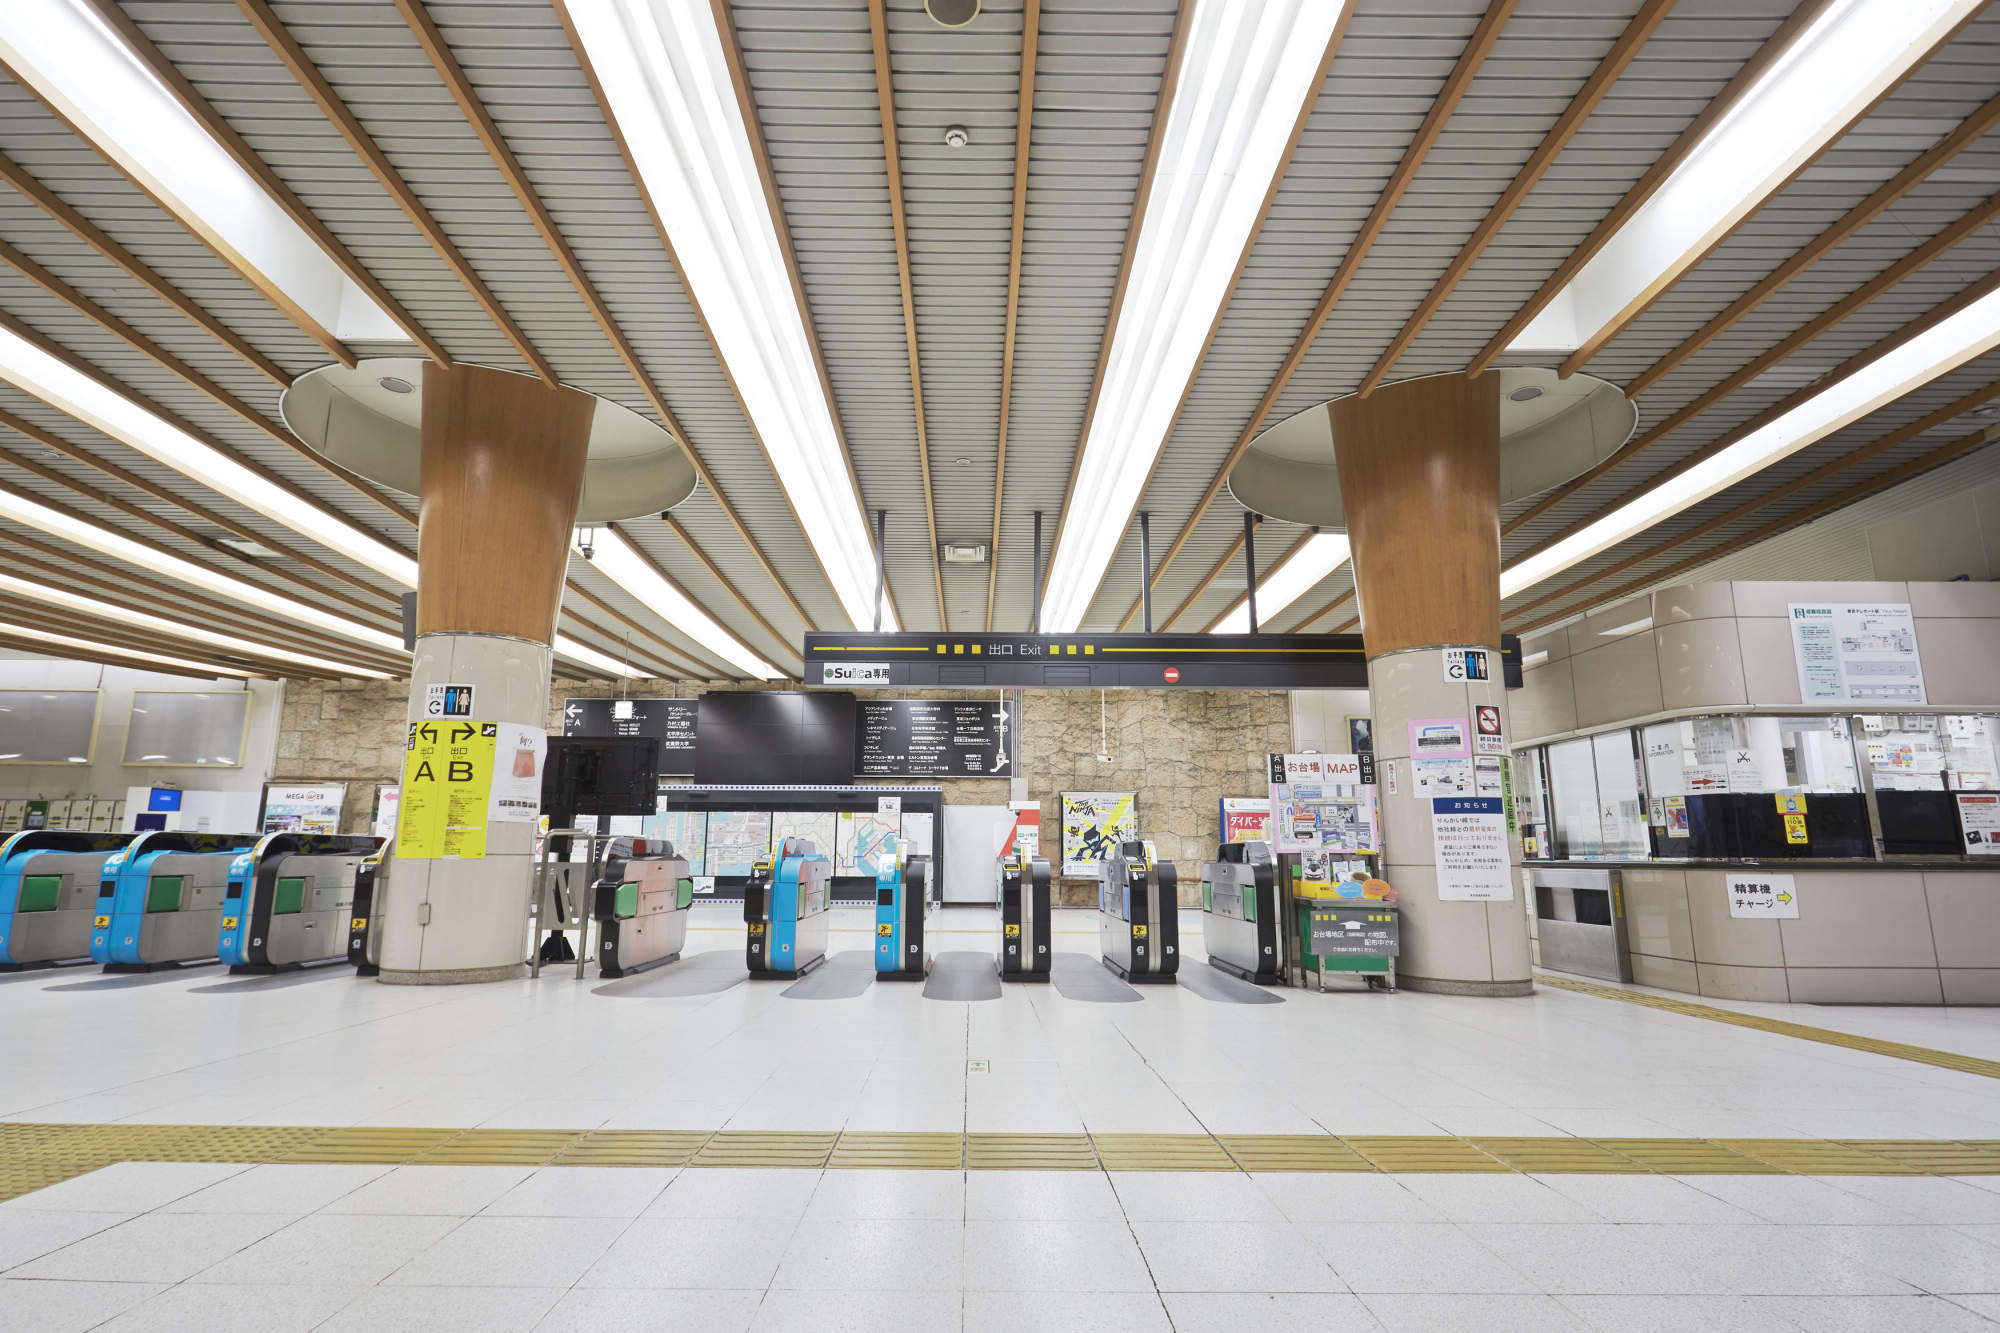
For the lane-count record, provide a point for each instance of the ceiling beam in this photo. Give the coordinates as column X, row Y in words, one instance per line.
column 167, row 361
column 1655, row 176
column 784, row 645
column 1968, row 131
column 1449, row 94
column 1269, row 566
column 335, row 109
column 1342, row 600
column 30, row 612
column 94, row 236
column 612, row 644
column 1966, row 225
column 474, row 109
column 1024, row 118
column 1609, row 70
column 110, row 657
column 892, row 158
column 681, row 669
column 1882, row 347
column 281, row 194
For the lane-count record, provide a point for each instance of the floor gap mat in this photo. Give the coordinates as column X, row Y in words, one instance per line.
column 1212, row 983
column 841, row 977
column 694, row 974
column 1083, row 976
column 963, row 976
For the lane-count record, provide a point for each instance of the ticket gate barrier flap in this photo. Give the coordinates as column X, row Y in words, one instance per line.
column 1242, row 921
column 49, row 881
column 1138, row 915
column 159, row 903
column 1025, row 939
column 291, row 901
column 785, row 909
column 641, row 903
column 371, row 893
column 902, row 901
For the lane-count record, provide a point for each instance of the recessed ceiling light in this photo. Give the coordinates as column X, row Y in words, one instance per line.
column 1527, row 393
column 962, row 461
column 1323, row 553
column 396, row 384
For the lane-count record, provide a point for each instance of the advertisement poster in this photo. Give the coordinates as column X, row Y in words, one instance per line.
column 447, row 780
column 1093, row 824
column 1979, row 821
column 1438, row 738
column 1677, row 816
column 1027, row 834
column 516, row 794
column 1246, row 819
column 303, row 809
column 388, row 800
column 1469, row 839
column 1761, row 895
column 1856, row 653
column 1322, row 806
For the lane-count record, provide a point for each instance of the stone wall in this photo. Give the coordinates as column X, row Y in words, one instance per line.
column 1180, row 751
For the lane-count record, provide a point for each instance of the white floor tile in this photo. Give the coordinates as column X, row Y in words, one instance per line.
column 1645, row 1199
column 1065, row 1312
column 1676, row 1314
column 278, row 1189
column 1242, row 1312
column 1872, row 1314
column 194, row 1307
column 1413, row 1258
column 888, row 1195
column 1799, row 1200
column 878, row 1311
column 1343, row 1196
column 1039, row 1255
column 1233, row 1256
column 742, row 1193
column 512, row 1252
column 583, row 1191
column 1929, row 1258
column 1682, row 1260
column 1192, row 1196
column 1488, row 1314
column 443, row 1310
column 704, row 1252
column 873, row 1255
column 154, row 1247
column 65, row 1307
column 1988, row 1306
column 605, row 1310
column 439, row 1191
column 1927, row 1198
column 26, row 1234
column 125, row 1187
column 332, row 1250
column 1050, row 1195
column 1496, row 1198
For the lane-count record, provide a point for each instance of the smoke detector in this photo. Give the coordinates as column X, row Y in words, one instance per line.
column 956, row 137
column 952, row 13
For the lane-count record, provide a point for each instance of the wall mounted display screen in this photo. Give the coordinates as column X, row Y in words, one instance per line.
column 47, row 726
column 775, row 739
column 187, row 728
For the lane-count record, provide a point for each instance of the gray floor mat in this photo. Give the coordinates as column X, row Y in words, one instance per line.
column 842, row 976
column 962, row 976
column 697, row 974
column 1212, row 983
column 135, row 980
column 1083, row 976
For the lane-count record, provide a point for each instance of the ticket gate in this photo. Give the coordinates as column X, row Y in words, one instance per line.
column 48, row 894
column 159, row 903
column 1241, row 919
column 641, row 902
column 1025, row 954
column 902, row 901
column 785, row 906
column 1138, row 915
column 291, row 901
column 371, row 897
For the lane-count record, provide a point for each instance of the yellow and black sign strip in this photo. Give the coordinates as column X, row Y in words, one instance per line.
column 34, row 1156
column 1895, row 1050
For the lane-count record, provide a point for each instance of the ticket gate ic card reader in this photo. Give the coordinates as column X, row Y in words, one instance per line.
column 49, row 881
column 1025, row 953
column 1241, row 917
column 291, row 900
column 902, row 901
column 641, row 903
column 159, row 903
column 785, row 906
column 1138, row 915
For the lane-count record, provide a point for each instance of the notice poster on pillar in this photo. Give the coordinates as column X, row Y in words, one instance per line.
column 1979, row 822
column 447, row 782
column 302, row 809
column 1469, row 840
column 1857, row 653
column 516, row 795
column 1093, row 824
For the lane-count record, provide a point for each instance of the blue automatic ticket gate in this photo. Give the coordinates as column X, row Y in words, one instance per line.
column 159, row 903
column 48, row 894
column 902, row 901
column 291, row 900
column 785, row 909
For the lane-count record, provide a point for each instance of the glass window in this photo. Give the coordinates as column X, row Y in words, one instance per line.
column 1932, row 751
column 1621, row 810
column 1578, row 831
column 1813, row 755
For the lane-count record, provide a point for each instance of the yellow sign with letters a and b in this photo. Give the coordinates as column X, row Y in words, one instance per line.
column 447, row 778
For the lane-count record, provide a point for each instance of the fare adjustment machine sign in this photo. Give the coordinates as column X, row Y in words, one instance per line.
column 459, row 775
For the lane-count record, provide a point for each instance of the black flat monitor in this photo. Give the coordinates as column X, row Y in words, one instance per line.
column 601, row 775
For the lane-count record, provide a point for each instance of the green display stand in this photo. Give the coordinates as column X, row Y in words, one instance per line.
column 1371, row 966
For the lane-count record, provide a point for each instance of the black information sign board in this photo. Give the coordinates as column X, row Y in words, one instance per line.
column 932, row 738
column 670, row 721
column 1370, row 931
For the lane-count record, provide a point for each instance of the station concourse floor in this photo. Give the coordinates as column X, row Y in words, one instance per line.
column 380, row 1158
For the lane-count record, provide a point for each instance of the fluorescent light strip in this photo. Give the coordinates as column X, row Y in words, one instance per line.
column 35, row 372
column 92, row 646
column 666, row 79
column 1830, row 75
column 113, row 611
column 1970, row 333
column 565, row 646
column 1246, row 69
column 64, row 51
column 1302, row 570
column 614, row 557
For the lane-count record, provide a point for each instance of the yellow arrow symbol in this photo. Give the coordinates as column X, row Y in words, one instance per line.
column 1784, row 897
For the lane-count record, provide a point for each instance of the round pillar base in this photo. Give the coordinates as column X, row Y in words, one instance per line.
column 1442, row 986
column 455, row 976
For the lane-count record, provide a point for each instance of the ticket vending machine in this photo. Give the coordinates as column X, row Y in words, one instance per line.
column 48, row 895
column 1241, row 918
column 159, row 903
column 1138, row 915
column 291, row 900
column 902, row 901
column 785, row 907
column 1025, row 954
column 641, row 903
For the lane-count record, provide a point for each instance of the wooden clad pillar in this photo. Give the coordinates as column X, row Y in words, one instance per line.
column 502, row 472
column 1420, row 479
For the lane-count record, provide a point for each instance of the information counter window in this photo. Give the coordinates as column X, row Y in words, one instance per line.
column 1594, row 790
column 1932, row 751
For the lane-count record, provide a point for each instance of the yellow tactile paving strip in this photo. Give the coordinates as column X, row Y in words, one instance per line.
column 35, row 1155
column 1964, row 1064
